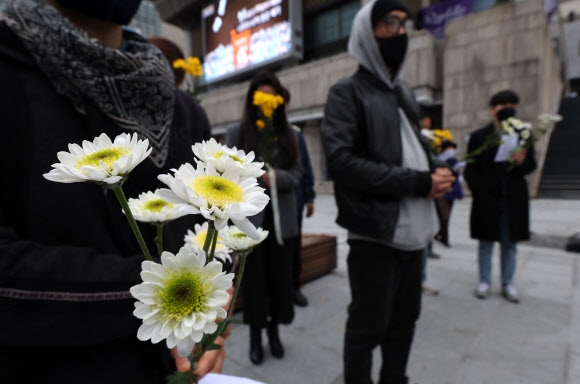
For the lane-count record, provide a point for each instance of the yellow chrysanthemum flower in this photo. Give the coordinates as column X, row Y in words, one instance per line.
column 260, row 124
column 267, row 102
column 192, row 66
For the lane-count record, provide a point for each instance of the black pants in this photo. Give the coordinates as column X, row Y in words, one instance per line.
column 385, row 287
column 267, row 281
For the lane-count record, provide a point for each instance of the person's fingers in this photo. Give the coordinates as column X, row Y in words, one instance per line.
column 206, row 362
column 182, row 364
column 218, row 366
column 309, row 209
column 211, row 360
column 443, row 171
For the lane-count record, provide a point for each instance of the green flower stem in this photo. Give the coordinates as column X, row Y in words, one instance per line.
column 159, row 239
column 207, row 245
column 238, row 282
column 125, row 205
column 213, row 245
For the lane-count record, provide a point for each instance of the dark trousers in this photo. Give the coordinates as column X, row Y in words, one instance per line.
column 385, row 287
column 267, row 281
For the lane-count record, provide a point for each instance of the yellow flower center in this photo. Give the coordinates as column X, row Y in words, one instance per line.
column 182, row 295
column 239, row 235
column 217, row 155
column 200, row 240
column 156, row 205
column 108, row 156
column 218, row 191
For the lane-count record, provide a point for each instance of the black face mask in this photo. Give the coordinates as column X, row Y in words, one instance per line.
column 505, row 113
column 116, row 11
column 393, row 49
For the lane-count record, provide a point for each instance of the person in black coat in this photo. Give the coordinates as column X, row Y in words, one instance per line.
column 267, row 284
column 67, row 254
column 500, row 206
column 385, row 180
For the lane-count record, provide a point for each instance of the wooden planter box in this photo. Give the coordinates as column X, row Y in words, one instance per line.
column 318, row 256
column 318, row 259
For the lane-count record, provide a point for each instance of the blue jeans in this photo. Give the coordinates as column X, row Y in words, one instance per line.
column 509, row 253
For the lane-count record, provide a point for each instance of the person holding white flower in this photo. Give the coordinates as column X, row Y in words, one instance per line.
column 70, row 73
column 385, row 179
column 500, row 204
column 267, row 286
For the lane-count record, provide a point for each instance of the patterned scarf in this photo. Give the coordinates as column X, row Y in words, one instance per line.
column 134, row 87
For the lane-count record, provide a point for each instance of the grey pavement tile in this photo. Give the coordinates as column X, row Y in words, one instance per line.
column 459, row 339
column 478, row 372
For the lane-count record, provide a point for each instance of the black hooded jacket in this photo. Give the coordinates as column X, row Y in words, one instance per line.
column 67, row 254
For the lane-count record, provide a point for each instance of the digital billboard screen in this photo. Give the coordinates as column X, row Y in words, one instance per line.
column 241, row 35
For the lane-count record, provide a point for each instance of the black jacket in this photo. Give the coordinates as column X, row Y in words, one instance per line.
column 490, row 183
column 67, row 254
column 362, row 139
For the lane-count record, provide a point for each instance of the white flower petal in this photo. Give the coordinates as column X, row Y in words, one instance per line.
column 185, row 346
column 101, row 161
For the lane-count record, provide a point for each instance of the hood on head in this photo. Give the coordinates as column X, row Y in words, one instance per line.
column 363, row 47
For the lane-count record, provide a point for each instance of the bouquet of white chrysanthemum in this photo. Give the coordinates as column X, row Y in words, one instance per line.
column 527, row 134
column 182, row 298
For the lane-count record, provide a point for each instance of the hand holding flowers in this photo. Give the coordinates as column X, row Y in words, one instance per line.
column 181, row 300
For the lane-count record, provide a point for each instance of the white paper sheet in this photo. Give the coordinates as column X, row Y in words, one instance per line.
column 214, row 378
column 505, row 150
column 458, row 167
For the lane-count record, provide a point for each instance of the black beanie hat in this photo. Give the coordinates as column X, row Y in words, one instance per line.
column 382, row 7
column 504, row 97
column 116, row 11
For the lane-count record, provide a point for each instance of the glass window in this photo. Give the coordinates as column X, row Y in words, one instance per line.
column 329, row 26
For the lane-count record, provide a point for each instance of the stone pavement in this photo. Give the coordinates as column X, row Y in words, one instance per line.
column 459, row 339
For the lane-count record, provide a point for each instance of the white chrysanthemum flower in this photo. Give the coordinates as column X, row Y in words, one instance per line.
column 525, row 134
column 516, row 123
column 223, row 157
column 219, row 197
column 429, row 134
column 546, row 118
column 180, row 299
column 237, row 240
column 100, row 161
column 507, row 128
column 197, row 240
column 151, row 208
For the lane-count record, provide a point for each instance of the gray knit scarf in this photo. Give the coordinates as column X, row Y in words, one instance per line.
column 134, row 87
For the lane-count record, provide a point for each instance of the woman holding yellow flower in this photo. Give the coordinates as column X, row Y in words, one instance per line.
column 267, row 284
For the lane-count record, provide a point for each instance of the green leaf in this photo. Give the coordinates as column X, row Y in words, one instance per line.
column 213, row 347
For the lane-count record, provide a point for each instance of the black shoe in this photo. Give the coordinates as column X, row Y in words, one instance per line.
column 433, row 255
column 276, row 348
column 442, row 239
column 299, row 299
column 256, row 351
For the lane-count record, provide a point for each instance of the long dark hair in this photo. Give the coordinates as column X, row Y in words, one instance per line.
column 287, row 145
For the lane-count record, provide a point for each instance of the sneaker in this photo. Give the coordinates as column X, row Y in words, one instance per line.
column 428, row 289
column 481, row 291
column 510, row 293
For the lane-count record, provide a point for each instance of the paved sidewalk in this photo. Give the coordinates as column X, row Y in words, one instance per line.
column 459, row 339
